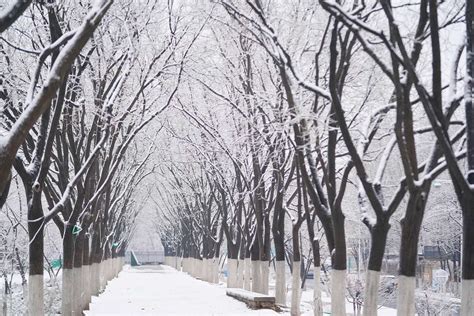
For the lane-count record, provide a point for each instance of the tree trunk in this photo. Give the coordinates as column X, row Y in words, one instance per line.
column 256, row 273
column 96, row 259
column 339, row 265
column 232, row 261
column 241, row 265
column 78, row 287
column 36, row 250
column 411, row 225
column 231, row 272
column 296, row 273
column 379, row 234
column 86, row 273
column 67, row 273
column 278, row 230
column 317, row 300
column 467, row 286
column 280, row 284
column 215, row 268
column 247, row 273
column 296, row 288
column 265, row 260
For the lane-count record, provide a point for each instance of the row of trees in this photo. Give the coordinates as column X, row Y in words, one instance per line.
column 321, row 112
column 101, row 74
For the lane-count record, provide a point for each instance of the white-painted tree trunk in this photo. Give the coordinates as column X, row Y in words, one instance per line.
column 184, row 264
column 208, row 270
column 338, row 292
column 114, row 268
column 86, row 280
column 95, row 278
column 4, row 305
column 247, row 274
column 191, row 266
column 406, row 296
column 205, row 270
column 265, row 275
column 77, row 291
column 99, row 275
column 92, row 280
column 197, row 269
column 280, row 283
column 372, row 280
column 215, row 270
column 317, row 300
column 66, row 292
column 175, row 263
column 467, row 297
column 231, row 273
column 35, row 295
column 108, row 271
column 256, row 276
column 296, row 289
column 102, row 275
column 240, row 274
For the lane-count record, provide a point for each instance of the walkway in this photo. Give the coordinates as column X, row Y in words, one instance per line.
column 160, row 290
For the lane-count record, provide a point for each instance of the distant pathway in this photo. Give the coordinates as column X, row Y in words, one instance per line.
column 160, row 290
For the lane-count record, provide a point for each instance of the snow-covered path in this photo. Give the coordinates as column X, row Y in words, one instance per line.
column 160, row 290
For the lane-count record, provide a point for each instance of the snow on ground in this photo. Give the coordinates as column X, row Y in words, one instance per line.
column 161, row 290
